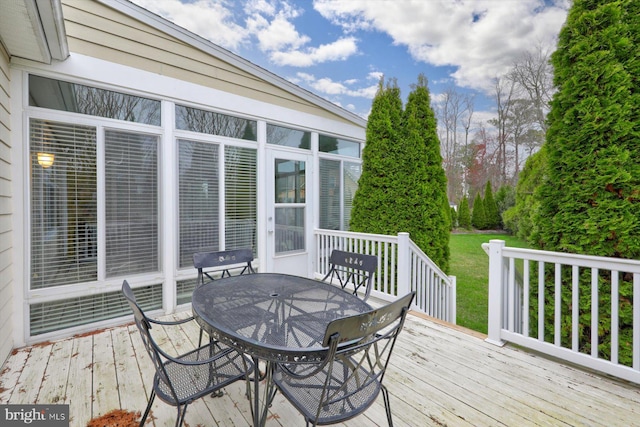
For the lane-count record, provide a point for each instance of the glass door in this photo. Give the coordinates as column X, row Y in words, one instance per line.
column 288, row 219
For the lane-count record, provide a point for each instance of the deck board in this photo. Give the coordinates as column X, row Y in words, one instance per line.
column 439, row 376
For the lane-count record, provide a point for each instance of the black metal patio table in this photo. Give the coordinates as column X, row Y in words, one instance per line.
column 273, row 318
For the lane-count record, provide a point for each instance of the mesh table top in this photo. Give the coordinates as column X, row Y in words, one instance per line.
column 276, row 317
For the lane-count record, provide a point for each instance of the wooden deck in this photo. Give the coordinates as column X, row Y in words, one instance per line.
column 439, row 376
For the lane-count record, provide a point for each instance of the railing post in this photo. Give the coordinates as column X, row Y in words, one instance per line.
column 404, row 265
column 495, row 291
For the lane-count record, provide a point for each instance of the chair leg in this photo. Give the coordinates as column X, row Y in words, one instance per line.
column 146, row 412
column 387, row 405
column 181, row 415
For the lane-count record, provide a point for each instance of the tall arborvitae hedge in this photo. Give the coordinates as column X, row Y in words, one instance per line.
column 478, row 215
column 464, row 215
column 402, row 187
column 374, row 203
column 426, row 181
column 490, row 209
column 590, row 198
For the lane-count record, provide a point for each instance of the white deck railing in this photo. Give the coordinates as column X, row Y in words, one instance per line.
column 518, row 277
column 402, row 267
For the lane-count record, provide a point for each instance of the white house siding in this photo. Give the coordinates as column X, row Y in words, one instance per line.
column 96, row 30
column 6, row 235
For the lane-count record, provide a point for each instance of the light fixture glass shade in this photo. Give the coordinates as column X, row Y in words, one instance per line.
column 45, row 159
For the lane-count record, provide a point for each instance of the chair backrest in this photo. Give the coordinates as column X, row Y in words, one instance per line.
column 360, row 326
column 210, row 264
column 150, row 345
column 362, row 346
column 352, row 269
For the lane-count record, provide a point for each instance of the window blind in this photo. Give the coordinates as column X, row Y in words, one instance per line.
column 63, row 203
column 198, row 199
column 330, row 194
column 131, row 208
column 56, row 315
column 240, row 198
column 352, row 172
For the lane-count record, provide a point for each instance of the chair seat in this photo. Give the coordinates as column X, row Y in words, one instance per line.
column 194, row 381
column 347, row 395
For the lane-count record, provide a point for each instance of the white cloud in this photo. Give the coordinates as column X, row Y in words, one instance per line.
column 211, row 19
column 334, row 89
column 479, row 37
column 341, row 49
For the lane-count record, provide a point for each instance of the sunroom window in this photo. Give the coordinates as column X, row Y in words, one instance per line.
column 63, row 203
column 200, row 198
column 77, row 98
column 280, row 135
column 131, row 208
column 338, row 184
column 65, row 215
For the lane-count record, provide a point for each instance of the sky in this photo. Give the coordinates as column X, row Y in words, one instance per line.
column 339, row 49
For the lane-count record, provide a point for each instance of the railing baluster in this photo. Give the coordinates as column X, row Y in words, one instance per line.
column 511, row 298
column 594, row 312
column 615, row 304
column 541, row 300
column 526, row 303
column 636, row 321
column 575, row 307
column 557, row 312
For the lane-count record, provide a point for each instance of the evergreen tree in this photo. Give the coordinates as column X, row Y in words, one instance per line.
column 426, row 183
column 590, row 201
column 478, row 215
column 374, row 203
column 520, row 219
column 590, row 196
column 403, row 187
column 505, row 199
column 464, row 216
column 490, row 209
column 454, row 218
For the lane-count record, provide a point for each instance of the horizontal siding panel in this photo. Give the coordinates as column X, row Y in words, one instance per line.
column 5, row 261
column 5, row 206
column 6, row 253
column 5, row 170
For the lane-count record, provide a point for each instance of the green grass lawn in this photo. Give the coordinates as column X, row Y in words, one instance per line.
column 470, row 264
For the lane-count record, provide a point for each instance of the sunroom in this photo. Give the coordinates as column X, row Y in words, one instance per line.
column 147, row 144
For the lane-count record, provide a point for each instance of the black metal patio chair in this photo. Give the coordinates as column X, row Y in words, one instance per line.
column 180, row 380
column 219, row 264
column 212, row 264
column 349, row 379
column 352, row 269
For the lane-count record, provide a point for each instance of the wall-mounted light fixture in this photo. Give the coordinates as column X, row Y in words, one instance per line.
column 45, row 159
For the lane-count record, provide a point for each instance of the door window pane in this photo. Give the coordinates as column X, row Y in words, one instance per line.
column 63, row 203
column 289, row 229
column 290, row 181
column 131, row 179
